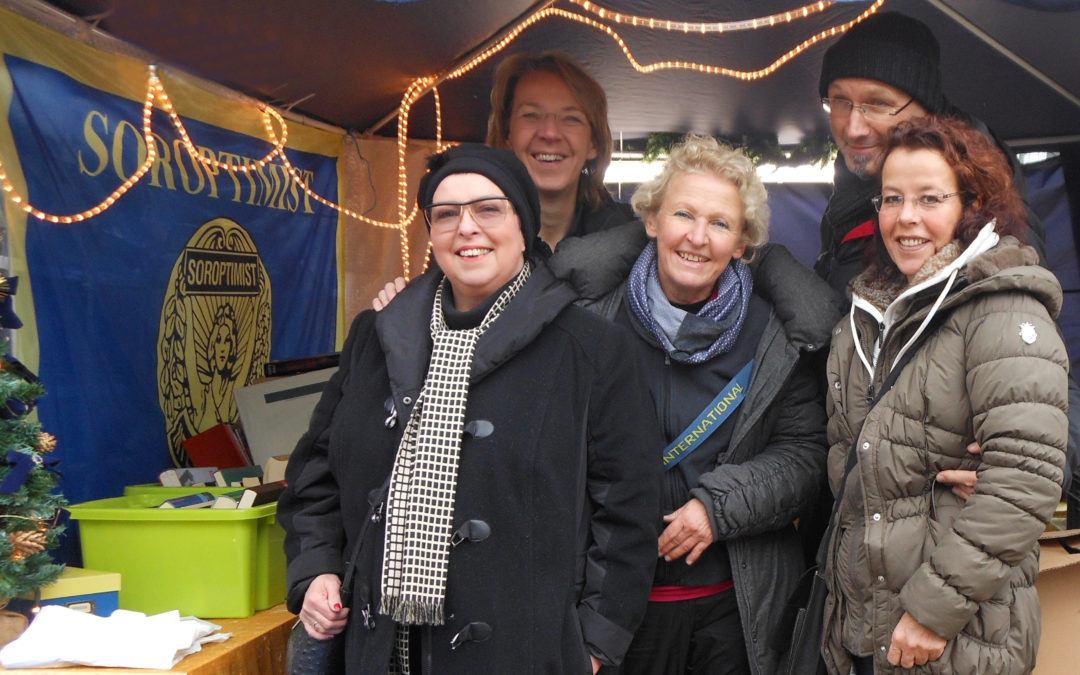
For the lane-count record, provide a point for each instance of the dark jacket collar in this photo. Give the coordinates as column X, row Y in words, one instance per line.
column 849, row 204
column 600, row 262
column 806, row 305
column 404, row 326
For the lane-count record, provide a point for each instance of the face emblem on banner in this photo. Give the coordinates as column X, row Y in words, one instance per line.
column 214, row 334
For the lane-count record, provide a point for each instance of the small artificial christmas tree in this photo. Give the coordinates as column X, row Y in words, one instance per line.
column 29, row 507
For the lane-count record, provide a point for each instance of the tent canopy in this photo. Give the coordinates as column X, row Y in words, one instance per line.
column 348, row 62
column 102, row 296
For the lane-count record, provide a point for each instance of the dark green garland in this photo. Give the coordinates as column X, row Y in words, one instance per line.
column 816, row 149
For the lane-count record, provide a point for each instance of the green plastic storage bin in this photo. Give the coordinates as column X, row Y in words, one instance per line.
column 269, row 544
column 212, row 563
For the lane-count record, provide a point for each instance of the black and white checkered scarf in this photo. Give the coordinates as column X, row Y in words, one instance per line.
column 420, row 504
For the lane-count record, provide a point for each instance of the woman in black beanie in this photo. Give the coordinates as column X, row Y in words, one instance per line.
column 486, row 448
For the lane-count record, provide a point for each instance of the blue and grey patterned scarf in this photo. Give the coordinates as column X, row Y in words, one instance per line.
column 689, row 338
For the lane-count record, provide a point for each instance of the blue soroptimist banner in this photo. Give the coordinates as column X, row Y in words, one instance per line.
column 150, row 314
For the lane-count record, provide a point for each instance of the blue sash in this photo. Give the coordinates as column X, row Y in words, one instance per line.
column 710, row 419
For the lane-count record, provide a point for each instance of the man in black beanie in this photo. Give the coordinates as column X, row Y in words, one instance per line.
column 883, row 71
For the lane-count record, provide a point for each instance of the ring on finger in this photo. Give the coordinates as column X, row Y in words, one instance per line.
column 316, row 626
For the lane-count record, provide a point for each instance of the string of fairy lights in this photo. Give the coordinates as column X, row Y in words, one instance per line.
column 148, row 162
column 599, row 18
column 692, row 27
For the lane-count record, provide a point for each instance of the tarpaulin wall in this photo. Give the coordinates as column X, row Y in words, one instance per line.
column 797, row 208
column 141, row 320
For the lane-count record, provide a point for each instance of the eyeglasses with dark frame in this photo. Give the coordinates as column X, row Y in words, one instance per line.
column 841, row 107
column 485, row 211
column 893, row 202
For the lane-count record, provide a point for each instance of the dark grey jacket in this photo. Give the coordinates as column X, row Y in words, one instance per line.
column 772, row 469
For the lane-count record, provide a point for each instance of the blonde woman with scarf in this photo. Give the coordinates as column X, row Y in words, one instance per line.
column 728, row 356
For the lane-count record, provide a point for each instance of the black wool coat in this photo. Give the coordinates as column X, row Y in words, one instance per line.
column 559, row 459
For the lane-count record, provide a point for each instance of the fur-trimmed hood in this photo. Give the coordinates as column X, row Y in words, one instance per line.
column 948, row 279
column 1011, row 265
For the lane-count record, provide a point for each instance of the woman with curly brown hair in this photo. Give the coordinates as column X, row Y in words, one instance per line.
column 950, row 340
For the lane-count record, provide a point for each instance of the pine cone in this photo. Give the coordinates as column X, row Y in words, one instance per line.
column 46, row 442
column 26, row 543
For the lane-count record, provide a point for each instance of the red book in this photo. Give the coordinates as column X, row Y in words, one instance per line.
column 219, row 446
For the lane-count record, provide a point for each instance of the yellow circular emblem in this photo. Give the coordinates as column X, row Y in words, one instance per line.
column 214, row 334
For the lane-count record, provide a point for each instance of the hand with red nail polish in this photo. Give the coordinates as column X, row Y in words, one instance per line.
column 322, row 613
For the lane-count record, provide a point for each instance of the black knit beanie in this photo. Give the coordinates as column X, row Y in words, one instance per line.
column 891, row 48
column 502, row 167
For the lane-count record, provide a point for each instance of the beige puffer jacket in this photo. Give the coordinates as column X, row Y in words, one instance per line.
column 995, row 371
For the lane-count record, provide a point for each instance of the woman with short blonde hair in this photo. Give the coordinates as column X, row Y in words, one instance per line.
column 728, row 357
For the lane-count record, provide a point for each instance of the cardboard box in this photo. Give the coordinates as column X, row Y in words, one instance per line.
column 1059, row 595
column 276, row 413
column 80, row 589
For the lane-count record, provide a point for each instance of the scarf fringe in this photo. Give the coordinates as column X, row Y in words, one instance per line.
column 414, row 612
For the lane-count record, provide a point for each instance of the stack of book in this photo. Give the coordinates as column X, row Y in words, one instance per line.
column 244, row 498
column 221, row 459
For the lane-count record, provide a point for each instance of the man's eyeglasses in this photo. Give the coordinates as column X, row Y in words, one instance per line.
column 486, row 212
column 885, row 203
column 841, row 108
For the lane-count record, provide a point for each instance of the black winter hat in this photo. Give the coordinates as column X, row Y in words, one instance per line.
column 891, row 48
column 502, row 167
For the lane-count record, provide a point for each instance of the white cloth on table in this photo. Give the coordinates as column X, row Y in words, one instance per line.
column 59, row 636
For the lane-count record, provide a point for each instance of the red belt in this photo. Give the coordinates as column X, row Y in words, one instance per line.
column 677, row 593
